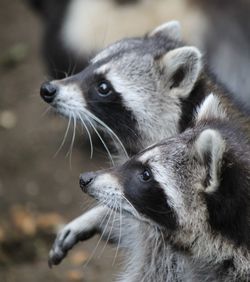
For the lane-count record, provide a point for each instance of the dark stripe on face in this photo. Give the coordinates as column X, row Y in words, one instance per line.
column 147, row 197
column 109, row 107
column 113, row 113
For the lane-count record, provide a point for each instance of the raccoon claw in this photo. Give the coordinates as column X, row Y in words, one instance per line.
column 55, row 258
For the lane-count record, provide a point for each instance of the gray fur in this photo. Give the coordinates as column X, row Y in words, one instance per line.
column 139, row 70
column 199, row 251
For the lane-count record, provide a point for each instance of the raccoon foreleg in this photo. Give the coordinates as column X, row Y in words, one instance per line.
column 94, row 221
column 80, row 229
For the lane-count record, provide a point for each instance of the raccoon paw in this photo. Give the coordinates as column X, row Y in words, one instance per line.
column 66, row 240
column 80, row 229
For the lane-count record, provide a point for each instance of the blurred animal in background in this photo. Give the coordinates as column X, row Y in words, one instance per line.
column 225, row 38
column 58, row 58
column 137, row 91
column 74, row 30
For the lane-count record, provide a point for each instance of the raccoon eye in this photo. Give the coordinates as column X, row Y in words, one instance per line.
column 146, row 175
column 104, row 88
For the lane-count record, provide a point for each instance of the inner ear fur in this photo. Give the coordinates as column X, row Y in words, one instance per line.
column 211, row 108
column 182, row 67
column 210, row 148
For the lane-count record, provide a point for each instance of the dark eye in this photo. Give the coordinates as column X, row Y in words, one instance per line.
column 104, row 88
column 146, row 175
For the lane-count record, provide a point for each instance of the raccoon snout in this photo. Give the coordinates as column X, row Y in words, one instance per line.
column 48, row 92
column 86, row 179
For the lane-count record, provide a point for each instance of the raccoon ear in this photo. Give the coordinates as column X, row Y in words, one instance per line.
column 182, row 67
column 211, row 108
column 170, row 29
column 210, row 148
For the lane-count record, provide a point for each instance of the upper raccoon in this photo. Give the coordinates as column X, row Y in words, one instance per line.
column 138, row 90
column 189, row 194
column 142, row 89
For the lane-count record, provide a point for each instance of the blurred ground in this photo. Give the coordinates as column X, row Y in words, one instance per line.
column 37, row 191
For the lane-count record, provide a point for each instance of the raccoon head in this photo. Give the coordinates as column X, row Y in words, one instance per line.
column 195, row 186
column 134, row 88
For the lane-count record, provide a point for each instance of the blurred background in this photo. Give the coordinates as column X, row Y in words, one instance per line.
column 45, row 39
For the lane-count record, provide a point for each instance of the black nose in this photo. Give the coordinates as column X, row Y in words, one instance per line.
column 48, row 92
column 86, row 179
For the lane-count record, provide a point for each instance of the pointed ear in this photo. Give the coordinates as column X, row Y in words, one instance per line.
column 170, row 29
column 181, row 67
column 211, row 108
column 210, row 148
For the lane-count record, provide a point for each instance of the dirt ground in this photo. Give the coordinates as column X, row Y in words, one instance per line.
column 37, row 191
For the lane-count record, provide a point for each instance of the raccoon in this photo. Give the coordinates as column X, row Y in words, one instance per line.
column 149, row 87
column 138, row 91
column 188, row 196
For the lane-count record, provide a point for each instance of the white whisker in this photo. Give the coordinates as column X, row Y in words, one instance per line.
column 64, row 138
column 100, row 239
column 111, row 229
column 101, row 139
column 109, row 130
column 89, row 135
column 120, row 233
column 45, row 111
column 128, row 202
column 72, row 141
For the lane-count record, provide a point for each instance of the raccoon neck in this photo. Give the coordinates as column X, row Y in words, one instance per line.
column 151, row 257
column 211, row 256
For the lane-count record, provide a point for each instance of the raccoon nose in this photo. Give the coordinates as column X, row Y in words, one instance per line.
column 86, row 179
column 48, row 92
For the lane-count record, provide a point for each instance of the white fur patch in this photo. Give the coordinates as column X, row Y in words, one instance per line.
column 149, row 154
column 150, row 109
column 69, row 99
column 87, row 221
column 102, row 69
column 211, row 108
column 165, row 177
column 107, row 180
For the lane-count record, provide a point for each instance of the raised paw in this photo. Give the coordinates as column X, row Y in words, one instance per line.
column 81, row 228
column 65, row 240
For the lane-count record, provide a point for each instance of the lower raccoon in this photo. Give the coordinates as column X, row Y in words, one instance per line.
column 184, row 205
column 190, row 195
